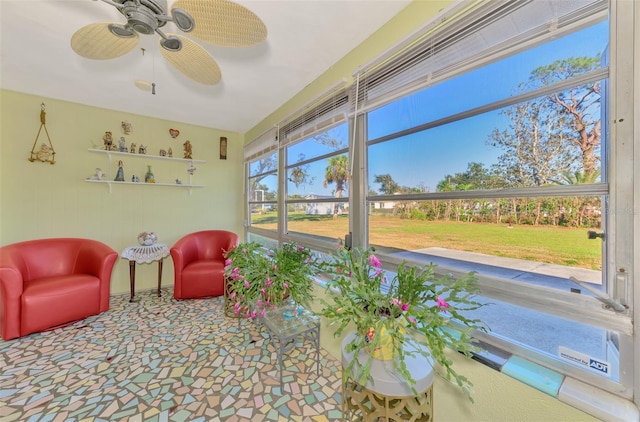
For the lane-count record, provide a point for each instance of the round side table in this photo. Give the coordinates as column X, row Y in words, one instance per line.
column 144, row 255
column 388, row 397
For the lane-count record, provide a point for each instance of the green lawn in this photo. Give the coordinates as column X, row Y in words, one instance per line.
column 555, row 245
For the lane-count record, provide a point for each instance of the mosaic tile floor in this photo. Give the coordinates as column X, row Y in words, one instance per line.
column 163, row 360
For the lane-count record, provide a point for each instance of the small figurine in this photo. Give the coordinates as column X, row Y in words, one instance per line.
column 178, row 182
column 127, row 128
column 120, row 173
column 135, row 178
column 108, row 141
column 121, row 145
column 187, row 149
column 149, row 177
column 174, row 133
column 45, row 153
column 132, row 150
column 170, row 152
column 191, row 169
column 98, row 175
column 142, row 149
column 163, row 153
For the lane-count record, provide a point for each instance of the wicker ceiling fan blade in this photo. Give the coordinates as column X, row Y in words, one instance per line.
column 224, row 23
column 193, row 61
column 96, row 41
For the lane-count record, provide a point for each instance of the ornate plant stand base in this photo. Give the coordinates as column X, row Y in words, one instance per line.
column 388, row 398
column 361, row 404
column 228, row 302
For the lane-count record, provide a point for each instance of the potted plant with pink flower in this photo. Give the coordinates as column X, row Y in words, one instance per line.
column 414, row 312
column 260, row 278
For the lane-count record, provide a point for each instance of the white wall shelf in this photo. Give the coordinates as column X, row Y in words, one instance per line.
column 154, row 157
column 109, row 173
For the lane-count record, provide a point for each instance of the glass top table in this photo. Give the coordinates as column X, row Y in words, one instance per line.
column 287, row 322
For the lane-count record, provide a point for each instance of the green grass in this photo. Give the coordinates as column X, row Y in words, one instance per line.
column 549, row 244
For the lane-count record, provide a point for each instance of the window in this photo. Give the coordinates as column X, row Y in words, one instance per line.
column 484, row 144
column 495, row 162
column 261, row 157
column 317, row 168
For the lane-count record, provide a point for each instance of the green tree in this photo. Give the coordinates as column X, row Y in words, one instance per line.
column 337, row 172
column 579, row 105
column 387, row 185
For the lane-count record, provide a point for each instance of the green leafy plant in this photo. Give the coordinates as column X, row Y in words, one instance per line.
column 421, row 313
column 261, row 278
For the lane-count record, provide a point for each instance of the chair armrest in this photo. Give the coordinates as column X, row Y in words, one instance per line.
column 97, row 259
column 11, row 287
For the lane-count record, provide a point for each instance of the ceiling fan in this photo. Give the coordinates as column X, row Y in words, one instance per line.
column 219, row 22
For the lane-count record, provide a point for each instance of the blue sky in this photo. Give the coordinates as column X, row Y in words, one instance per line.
column 425, row 158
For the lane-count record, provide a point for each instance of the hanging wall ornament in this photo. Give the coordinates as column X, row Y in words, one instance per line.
column 45, row 154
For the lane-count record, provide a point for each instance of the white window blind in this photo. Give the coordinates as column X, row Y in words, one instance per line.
column 468, row 39
column 324, row 115
column 262, row 145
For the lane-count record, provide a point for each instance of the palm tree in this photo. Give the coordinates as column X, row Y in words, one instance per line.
column 337, row 172
column 578, row 177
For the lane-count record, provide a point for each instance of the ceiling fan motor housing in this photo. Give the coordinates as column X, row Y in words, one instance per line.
column 141, row 14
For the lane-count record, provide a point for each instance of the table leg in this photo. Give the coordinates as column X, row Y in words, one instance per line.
column 318, row 350
column 132, row 280
column 159, row 276
column 280, row 362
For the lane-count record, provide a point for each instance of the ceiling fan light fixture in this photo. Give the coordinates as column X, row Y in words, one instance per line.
column 121, row 31
column 183, row 20
column 171, row 43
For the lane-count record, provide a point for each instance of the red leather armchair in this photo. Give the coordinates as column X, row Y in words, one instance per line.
column 198, row 263
column 48, row 283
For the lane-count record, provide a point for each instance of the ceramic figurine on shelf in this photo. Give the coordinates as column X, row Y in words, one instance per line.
column 170, row 152
column 98, row 175
column 178, row 182
column 187, row 149
column 163, row 153
column 135, row 179
column 108, row 141
column 149, row 178
column 132, row 149
column 121, row 145
column 142, row 149
column 120, row 173
column 191, row 169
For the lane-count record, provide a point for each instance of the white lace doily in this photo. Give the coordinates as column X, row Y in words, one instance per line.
column 146, row 254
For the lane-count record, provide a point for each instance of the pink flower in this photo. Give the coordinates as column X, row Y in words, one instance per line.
column 285, row 285
column 404, row 306
column 275, row 267
column 259, row 303
column 377, row 272
column 412, row 320
column 374, row 261
column 268, row 282
column 244, row 250
column 233, row 295
column 228, row 262
column 253, row 314
column 442, row 303
column 246, row 284
column 262, row 312
column 300, row 248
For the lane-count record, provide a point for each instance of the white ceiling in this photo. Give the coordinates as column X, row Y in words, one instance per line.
column 305, row 37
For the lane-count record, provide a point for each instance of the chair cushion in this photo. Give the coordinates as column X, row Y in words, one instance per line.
column 52, row 301
column 203, row 279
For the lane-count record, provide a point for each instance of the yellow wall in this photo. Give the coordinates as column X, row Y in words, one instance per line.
column 39, row 200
